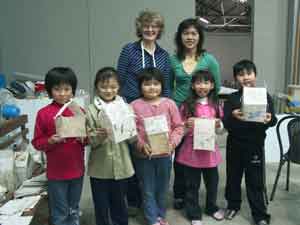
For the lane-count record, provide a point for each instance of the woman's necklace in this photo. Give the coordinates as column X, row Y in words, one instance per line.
column 189, row 64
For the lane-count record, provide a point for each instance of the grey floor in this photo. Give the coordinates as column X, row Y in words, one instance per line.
column 284, row 209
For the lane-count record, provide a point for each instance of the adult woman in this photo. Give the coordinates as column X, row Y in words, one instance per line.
column 135, row 56
column 189, row 57
column 144, row 53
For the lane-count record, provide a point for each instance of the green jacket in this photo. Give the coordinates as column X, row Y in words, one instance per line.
column 182, row 80
column 107, row 160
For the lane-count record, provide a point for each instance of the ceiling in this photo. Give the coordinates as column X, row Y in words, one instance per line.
column 225, row 15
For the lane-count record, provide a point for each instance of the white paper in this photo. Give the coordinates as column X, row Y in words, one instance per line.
column 204, row 134
column 15, row 220
column 254, row 104
column 156, row 124
column 119, row 119
column 15, row 206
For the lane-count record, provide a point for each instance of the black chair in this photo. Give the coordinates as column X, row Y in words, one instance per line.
column 292, row 153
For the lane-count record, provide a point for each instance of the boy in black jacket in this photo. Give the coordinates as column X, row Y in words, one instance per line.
column 244, row 149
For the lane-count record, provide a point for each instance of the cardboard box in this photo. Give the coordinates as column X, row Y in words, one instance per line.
column 119, row 119
column 157, row 130
column 204, row 134
column 254, row 104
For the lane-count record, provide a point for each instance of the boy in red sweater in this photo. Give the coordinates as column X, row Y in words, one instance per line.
column 65, row 156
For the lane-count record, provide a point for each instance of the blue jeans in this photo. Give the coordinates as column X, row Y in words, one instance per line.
column 64, row 197
column 154, row 177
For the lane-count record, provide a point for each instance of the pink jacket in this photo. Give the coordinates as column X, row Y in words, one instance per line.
column 167, row 107
column 198, row 158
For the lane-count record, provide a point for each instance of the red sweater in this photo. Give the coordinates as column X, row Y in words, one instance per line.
column 65, row 160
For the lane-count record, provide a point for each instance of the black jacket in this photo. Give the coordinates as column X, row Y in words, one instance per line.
column 244, row 131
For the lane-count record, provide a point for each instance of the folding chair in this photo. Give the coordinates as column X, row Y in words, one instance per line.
column 292, row 153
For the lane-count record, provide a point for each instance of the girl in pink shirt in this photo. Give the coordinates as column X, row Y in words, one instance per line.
column 203, row 103
column 153, row 170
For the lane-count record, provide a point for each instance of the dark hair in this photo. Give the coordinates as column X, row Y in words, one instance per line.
column 60, row 75
column 150, row 73
column 185, row 24
column 104, row 74
column 242, row 65
column 213, row 99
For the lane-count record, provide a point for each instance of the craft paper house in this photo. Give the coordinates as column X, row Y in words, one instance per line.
column 157, row 129
column 254, row 104
column 118, row 118
column 204, row 134
column 71, row 126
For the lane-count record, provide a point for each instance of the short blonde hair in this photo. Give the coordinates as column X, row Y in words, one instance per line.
column 146, row 17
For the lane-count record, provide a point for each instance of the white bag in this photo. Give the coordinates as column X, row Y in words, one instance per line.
column 7, row 169
column 71, row 126
column 204, row 134
column 118, row 118
column 157, row 129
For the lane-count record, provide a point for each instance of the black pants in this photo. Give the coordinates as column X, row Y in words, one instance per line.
column 193, row 181
column 246, row 157
column 179, row 181
column 109, row 198
column 134, row 193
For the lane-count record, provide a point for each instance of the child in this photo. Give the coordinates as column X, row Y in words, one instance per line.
column 202, row 102
column 109, row 163
column 244, row 150
column 152, row 171
column 65, row 156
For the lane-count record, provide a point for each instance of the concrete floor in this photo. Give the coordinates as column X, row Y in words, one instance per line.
column 284, row 209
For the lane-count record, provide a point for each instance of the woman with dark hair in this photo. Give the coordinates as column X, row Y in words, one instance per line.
column 190, row 57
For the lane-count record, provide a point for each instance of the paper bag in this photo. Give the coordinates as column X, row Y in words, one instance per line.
column 73, row 126
column 157, row 129
column 7, row 169
column 204, row 134
column 118, row 118
column 254, row 104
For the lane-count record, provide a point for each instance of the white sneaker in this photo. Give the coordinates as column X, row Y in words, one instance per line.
column 197, row 222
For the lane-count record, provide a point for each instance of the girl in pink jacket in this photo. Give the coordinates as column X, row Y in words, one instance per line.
column 202, row 103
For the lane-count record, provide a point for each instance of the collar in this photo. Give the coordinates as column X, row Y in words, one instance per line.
column 137, row 46
column 202, row 101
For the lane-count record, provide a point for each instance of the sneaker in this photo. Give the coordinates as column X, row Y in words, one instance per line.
column 262, row 222
column 196, row 222
column 178, row 203
column 218, row 215
column 162, row 221
column 230, row 214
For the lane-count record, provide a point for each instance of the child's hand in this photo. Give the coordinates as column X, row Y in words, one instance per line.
column 218, row 123
column 55, row 139
column 147, row 150
column 190, row 122
column 238, row 114
column 171, row 147
column 268, row 118
column 101, row 132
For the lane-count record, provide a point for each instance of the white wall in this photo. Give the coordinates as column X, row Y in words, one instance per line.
column 84, row 35
column 269, row 42
column 38, row 35
column 228, row 49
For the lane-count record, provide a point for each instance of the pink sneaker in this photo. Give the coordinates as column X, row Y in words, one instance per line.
column 162, row 221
